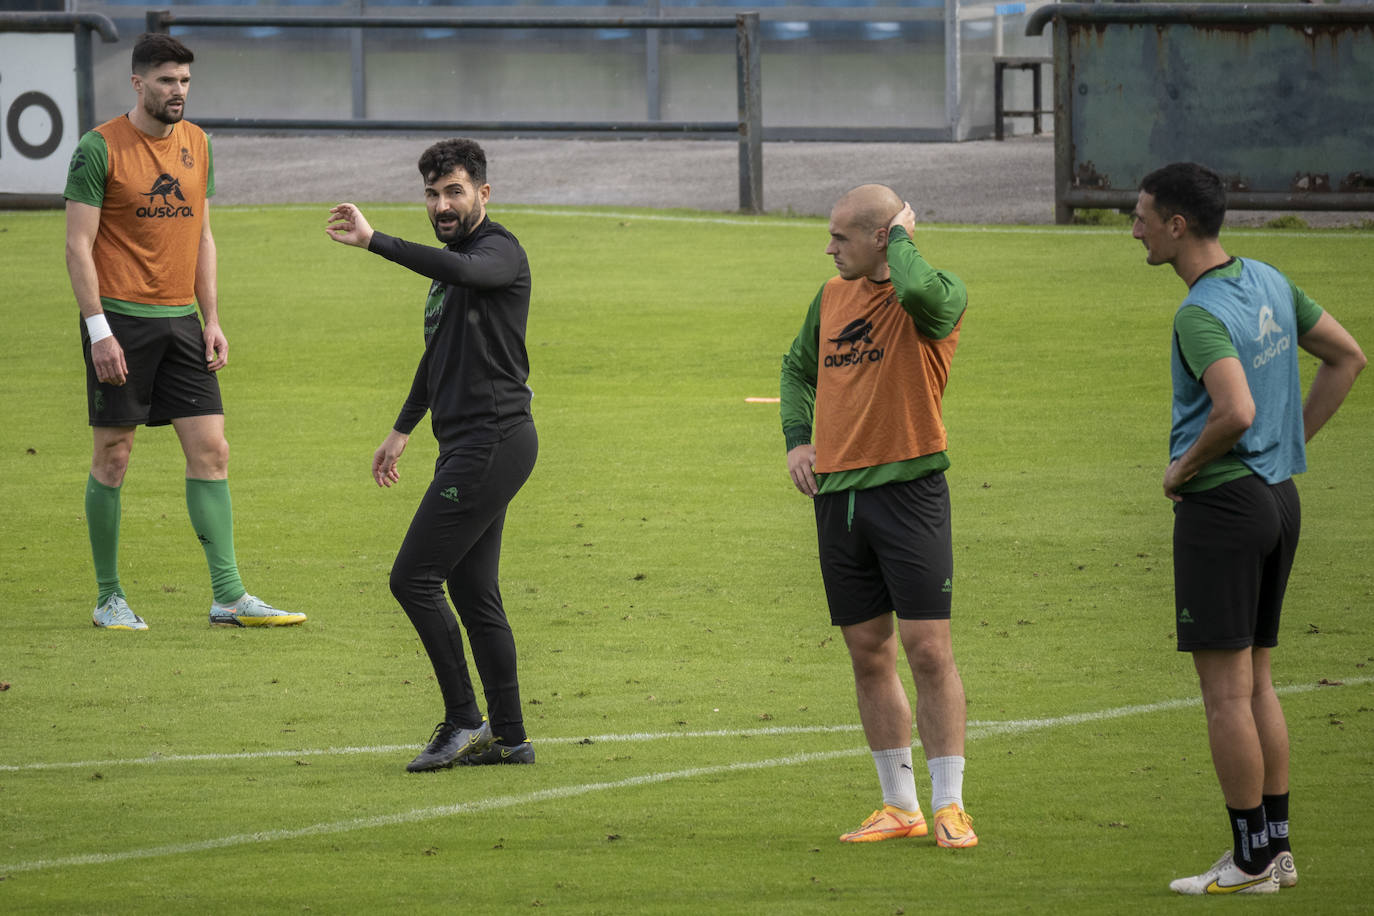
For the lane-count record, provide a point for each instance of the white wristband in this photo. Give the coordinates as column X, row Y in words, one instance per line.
column 98, row 327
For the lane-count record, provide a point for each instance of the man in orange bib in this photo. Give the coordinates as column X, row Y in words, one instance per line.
column 141, row 257
column 861, row 413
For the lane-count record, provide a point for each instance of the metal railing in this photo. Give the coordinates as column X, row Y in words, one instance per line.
column 749, row 125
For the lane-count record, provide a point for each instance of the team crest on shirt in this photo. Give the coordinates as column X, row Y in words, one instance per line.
column 187, row 159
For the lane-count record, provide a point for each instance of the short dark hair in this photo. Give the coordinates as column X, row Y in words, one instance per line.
column 153, row 49
column 1192, row 191
column 447, row 155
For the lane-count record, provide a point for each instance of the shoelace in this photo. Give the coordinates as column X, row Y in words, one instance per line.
column 442, row 732
column 960, row 818
column 877, row 817
column 119, row 612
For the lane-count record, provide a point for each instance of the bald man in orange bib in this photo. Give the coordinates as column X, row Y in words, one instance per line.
column 861, row 396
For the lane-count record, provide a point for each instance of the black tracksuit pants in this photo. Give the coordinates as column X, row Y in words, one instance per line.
column 455, row 538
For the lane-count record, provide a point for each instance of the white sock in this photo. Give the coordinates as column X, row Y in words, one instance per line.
column 897, row 778
column 946, row 781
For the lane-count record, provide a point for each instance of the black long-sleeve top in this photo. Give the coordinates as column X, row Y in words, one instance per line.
column 472, row 376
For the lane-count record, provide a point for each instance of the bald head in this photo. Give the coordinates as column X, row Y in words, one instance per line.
column 869, row 207
column 858, row 231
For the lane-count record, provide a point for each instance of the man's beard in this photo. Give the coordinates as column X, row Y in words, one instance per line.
column 465, row 226
column 165, row 116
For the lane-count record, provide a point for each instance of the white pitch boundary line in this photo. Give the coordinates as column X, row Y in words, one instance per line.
column 397, row 748
column 812, row 223
column 419, row 815
column 976, row 728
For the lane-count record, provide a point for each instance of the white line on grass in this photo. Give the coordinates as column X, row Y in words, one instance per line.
column 812, row 223
column 418, row 815
column 976, row 730
column 398, row 748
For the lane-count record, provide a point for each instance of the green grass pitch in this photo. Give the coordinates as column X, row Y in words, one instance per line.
column 692, row 709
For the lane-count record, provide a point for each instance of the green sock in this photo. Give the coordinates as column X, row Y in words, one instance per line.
column 102, row 524
column 212, row 517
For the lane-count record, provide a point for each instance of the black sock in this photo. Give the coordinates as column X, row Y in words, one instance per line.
column 511, row 734
column 1276, row 813
column 462, row 718
column 1250, row 836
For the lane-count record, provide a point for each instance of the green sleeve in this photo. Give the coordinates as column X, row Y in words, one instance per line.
column 86, row 174
column 1202, row 339
column 934, row 299
column 1308, row 312
column 210, row 168
column 798, row 386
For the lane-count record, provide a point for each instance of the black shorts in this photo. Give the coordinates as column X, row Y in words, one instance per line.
column 1233, row 550
column 167, row 375
column 887, row 549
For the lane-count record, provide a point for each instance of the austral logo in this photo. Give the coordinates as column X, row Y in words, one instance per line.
column 857, row 333
column 1269, row 338
column 166, row 186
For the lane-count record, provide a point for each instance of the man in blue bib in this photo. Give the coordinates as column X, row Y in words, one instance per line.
column 1239, row 429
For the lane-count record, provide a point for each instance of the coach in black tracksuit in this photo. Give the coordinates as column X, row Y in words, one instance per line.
column 472, row 381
